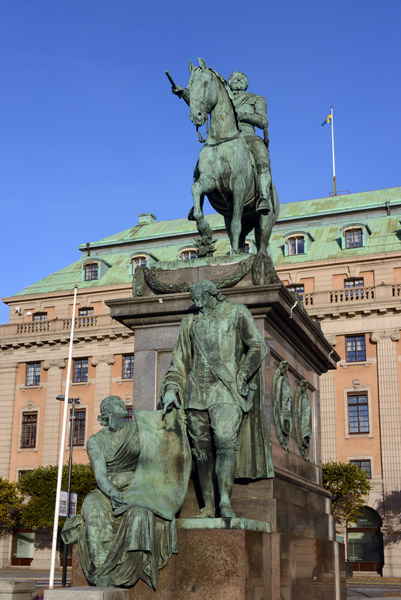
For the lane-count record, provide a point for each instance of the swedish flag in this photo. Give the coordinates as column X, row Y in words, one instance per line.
column 327, row 120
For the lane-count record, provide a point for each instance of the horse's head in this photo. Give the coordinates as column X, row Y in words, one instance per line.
column 203, row 92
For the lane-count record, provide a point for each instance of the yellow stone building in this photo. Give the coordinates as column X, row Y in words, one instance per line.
column 340, row 254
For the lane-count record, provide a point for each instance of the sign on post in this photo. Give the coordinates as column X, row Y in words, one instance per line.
column 64, row 502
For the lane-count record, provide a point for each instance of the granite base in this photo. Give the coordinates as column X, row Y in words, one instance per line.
column 87, row 593
column 20, row 589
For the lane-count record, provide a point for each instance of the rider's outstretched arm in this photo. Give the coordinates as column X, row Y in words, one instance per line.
column 181, row 92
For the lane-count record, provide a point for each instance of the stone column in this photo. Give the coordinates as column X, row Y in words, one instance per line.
column 51, row 432
column 102, row 385
column 328, row 412
column 8, row 371
column 390, row 417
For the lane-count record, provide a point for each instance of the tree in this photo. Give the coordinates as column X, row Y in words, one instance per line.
column 348, row 485
column 39, row 489
column 10, row 501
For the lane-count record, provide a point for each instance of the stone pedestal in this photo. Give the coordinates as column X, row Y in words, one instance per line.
column 20, row 589
column 87, row 593
column 301, row 547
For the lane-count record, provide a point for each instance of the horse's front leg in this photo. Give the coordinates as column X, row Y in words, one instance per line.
column 238, row 207
column 202, row 186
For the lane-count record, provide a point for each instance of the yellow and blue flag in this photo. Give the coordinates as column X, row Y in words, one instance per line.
column 327, row 120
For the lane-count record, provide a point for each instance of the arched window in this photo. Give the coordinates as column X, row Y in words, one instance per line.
column 296, row 245
column 247, row 247
column 188, row 253
column 140, row 260
column 91, row 271
column 354, row 237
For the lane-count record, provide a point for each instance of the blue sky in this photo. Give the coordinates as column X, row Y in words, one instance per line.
column 90, row 134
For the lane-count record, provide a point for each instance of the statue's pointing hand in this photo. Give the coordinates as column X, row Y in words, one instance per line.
column 177, row 90
column 169, row 400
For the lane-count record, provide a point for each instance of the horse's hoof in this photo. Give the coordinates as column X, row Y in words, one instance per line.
column 191, row 215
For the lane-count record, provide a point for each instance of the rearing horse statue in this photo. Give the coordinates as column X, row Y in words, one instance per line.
column 225, row 171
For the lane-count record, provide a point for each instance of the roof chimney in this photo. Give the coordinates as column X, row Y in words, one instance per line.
column 146, row 218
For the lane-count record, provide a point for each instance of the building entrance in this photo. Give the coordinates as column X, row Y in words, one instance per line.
column 365, row 542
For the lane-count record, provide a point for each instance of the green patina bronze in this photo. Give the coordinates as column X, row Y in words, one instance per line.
column 233, row 169
column 303, row 418
column 215, row 376
column 282, row 404
column 126, row 530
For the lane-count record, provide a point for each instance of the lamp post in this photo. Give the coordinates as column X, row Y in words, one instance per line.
column 73, row 402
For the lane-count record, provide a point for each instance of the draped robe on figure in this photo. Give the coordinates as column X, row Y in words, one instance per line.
column 149, row 461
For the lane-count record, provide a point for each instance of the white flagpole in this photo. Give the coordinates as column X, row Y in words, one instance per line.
column 332, row 149
column 62, row 444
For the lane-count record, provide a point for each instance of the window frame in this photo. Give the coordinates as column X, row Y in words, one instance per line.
column 141, row 257
column 359, row 461
column 188, row 249
column 348, row 353
column 131, row 367
column 351, row 231
column 42, row 317
column 36, row 375
column 77, row 372
column 128, row 418
column 86, row 311
column 88, row 268
column 79, row 427
column 28, row 413
column 358, row 405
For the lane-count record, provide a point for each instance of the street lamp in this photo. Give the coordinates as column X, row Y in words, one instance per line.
column 72, row 401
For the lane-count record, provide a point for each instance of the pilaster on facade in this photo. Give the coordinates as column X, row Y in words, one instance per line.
column 8, row 372
column 103, row 366
column 51, row 433
column 328, row 417
column 390, row 416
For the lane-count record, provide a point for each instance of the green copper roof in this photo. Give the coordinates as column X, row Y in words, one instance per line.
column 329, row 215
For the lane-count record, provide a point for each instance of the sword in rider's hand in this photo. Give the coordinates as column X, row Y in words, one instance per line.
column 170, row 79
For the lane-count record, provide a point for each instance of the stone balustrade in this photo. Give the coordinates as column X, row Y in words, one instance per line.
column 14, row 333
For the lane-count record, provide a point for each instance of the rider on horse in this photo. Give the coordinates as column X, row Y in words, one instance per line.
column 251, row 110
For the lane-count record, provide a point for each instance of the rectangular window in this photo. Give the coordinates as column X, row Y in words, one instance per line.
column 299, row 288
column 129, row 415
column 355, row 348
column 358, row 413
column 296, row 245
column 353, row 238
column 28, row 429
column 78, row 435
column 33, row 373
column 365, row 466
column 354, row 289
column 80, row 371
column 85, row 312
column 128, row 366
column 40, row 316
column 91, row 271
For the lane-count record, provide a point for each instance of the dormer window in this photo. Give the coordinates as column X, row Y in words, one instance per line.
column 140, row 260
column 297, row 242
column 247, row 247
column 188, row 253
column 91, row 271
column 354, row 235
column 354, row 238
column 296, row 245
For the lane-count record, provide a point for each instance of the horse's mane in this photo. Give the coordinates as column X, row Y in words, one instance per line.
column 229, row 93
column 226, row 87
